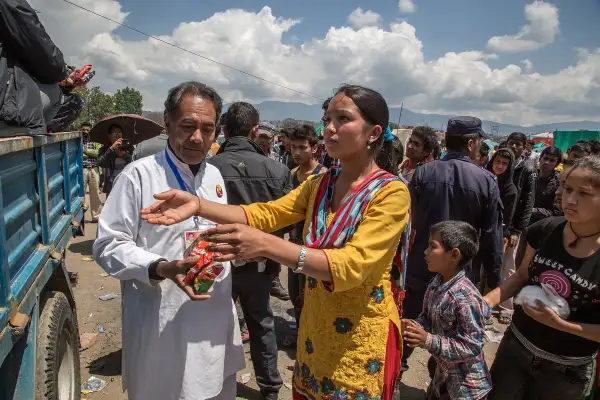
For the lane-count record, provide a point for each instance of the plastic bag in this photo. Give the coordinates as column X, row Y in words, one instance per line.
column 203, row 275
column 547, row 295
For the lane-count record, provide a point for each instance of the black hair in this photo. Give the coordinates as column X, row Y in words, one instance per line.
column 85, row 123
column 240, row 118
column 398, row 148
column 427, row 136
column 110, row 128
column 518, row 136
column 595, row 147
column 437, row 150
column 173, row 101
column 457, row 235
column 581, row 145
column 305, row 132
column 374, row 110
column 325, row 105
column 552, row 151
column 460, row 142
column 484, row 150
column 591, row 163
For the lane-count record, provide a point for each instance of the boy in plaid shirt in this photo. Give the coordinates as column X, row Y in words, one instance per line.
column 451, row 326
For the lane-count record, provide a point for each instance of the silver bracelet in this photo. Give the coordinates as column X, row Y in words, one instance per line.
column 301, row 257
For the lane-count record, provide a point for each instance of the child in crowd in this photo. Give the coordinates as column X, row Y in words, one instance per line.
column 451, row 326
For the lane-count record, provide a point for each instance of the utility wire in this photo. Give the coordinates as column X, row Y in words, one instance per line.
column 191, row 52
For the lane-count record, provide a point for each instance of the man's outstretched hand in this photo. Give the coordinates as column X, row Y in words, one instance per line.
column 177, row 271
column 171, row 208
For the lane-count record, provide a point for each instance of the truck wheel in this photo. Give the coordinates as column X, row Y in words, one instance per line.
column 57, row 367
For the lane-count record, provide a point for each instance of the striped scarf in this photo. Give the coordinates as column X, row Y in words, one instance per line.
column 350, row 213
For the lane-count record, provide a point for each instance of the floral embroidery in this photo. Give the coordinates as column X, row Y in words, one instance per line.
column 361, row 395
column 297, row 368
column 309, row 346
column 340, row 394
column 312, row 283
column 373, row 366
column 314, row 384
column 343, row 325
column 305, row 371
column 327, row 386
column 377, row 294
column 376, row 397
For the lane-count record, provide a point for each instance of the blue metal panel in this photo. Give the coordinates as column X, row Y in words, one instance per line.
column 42, row 184
column 4, row 273
column 26, row 383
column 67, row 174
column 44, row 171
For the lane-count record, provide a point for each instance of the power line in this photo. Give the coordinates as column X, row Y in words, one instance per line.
column 191, row 52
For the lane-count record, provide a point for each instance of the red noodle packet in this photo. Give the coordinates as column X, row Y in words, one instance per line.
column 203, row 275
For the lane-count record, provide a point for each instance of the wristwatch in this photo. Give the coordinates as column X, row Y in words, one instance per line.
column 152, row 270
column 301, row 258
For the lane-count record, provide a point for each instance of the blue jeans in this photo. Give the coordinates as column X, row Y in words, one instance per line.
column 519, row 375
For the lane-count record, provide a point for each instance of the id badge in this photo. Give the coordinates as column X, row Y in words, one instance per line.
column 192, row 238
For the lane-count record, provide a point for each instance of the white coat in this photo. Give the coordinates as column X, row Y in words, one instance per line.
column 173, row 348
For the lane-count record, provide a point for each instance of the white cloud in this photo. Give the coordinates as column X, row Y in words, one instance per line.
column 528, row 65
column 359, row 18
column 388, row 59
column 541, row 30
column 407, row 6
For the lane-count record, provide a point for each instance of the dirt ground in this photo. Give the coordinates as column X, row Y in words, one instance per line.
column 103, row 359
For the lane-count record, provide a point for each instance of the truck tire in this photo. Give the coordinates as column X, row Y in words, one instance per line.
column 57, row 359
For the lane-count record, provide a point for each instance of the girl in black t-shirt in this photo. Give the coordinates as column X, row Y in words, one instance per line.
column 541, row 355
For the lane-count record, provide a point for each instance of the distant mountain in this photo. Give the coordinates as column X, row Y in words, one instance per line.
column 279, row 110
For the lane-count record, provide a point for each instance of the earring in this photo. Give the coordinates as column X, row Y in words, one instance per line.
column 369, row 146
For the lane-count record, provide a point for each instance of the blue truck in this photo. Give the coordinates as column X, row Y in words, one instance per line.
column 41, row 209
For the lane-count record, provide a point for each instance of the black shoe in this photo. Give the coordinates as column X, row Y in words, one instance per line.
column 277, row 290
column 271, row 396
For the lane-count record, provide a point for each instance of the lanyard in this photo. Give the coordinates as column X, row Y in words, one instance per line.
column 181, row 183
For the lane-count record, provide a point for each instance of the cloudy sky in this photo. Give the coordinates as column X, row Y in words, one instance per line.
column 512, row 60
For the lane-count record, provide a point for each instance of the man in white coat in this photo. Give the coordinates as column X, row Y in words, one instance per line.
column 176, row 344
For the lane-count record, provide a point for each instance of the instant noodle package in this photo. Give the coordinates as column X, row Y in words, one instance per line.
column 203, row 275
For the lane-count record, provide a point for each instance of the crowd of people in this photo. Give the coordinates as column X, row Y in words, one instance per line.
column 385, row 253
column 387, row 249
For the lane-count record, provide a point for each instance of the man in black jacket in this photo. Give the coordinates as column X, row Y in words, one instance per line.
column 31, row 66
column 251, row 177
column 524, row 178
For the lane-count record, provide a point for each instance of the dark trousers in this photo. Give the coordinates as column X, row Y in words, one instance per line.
column 253, row 290
column 519, row 375
column 296, row 284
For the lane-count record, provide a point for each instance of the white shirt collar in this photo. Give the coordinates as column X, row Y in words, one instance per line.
column 185, row 168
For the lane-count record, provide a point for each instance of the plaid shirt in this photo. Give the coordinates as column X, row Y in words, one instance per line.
column 90, row 161
column 454, row 315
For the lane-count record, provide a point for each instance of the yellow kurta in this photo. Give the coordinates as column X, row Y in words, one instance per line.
column 344, row 325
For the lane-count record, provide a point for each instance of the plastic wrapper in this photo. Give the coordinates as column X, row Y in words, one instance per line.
column 547, row 295
column 203, row 275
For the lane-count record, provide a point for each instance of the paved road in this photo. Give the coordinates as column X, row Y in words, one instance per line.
column 103, row 359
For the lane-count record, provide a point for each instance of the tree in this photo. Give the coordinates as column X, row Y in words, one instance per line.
column 128, row 101
column 98, row 105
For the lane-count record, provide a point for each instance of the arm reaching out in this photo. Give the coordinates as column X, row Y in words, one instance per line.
column 175, row 206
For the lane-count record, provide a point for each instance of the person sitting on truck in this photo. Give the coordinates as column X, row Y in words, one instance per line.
column 176, row 344
column 32, row 69
column 114, row 157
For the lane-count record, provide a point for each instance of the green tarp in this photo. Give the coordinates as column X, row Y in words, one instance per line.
column 565, row 139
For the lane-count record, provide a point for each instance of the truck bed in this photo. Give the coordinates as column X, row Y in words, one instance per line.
column 41, row 205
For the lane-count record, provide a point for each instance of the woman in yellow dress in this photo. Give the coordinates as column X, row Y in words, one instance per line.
column 349, row 340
